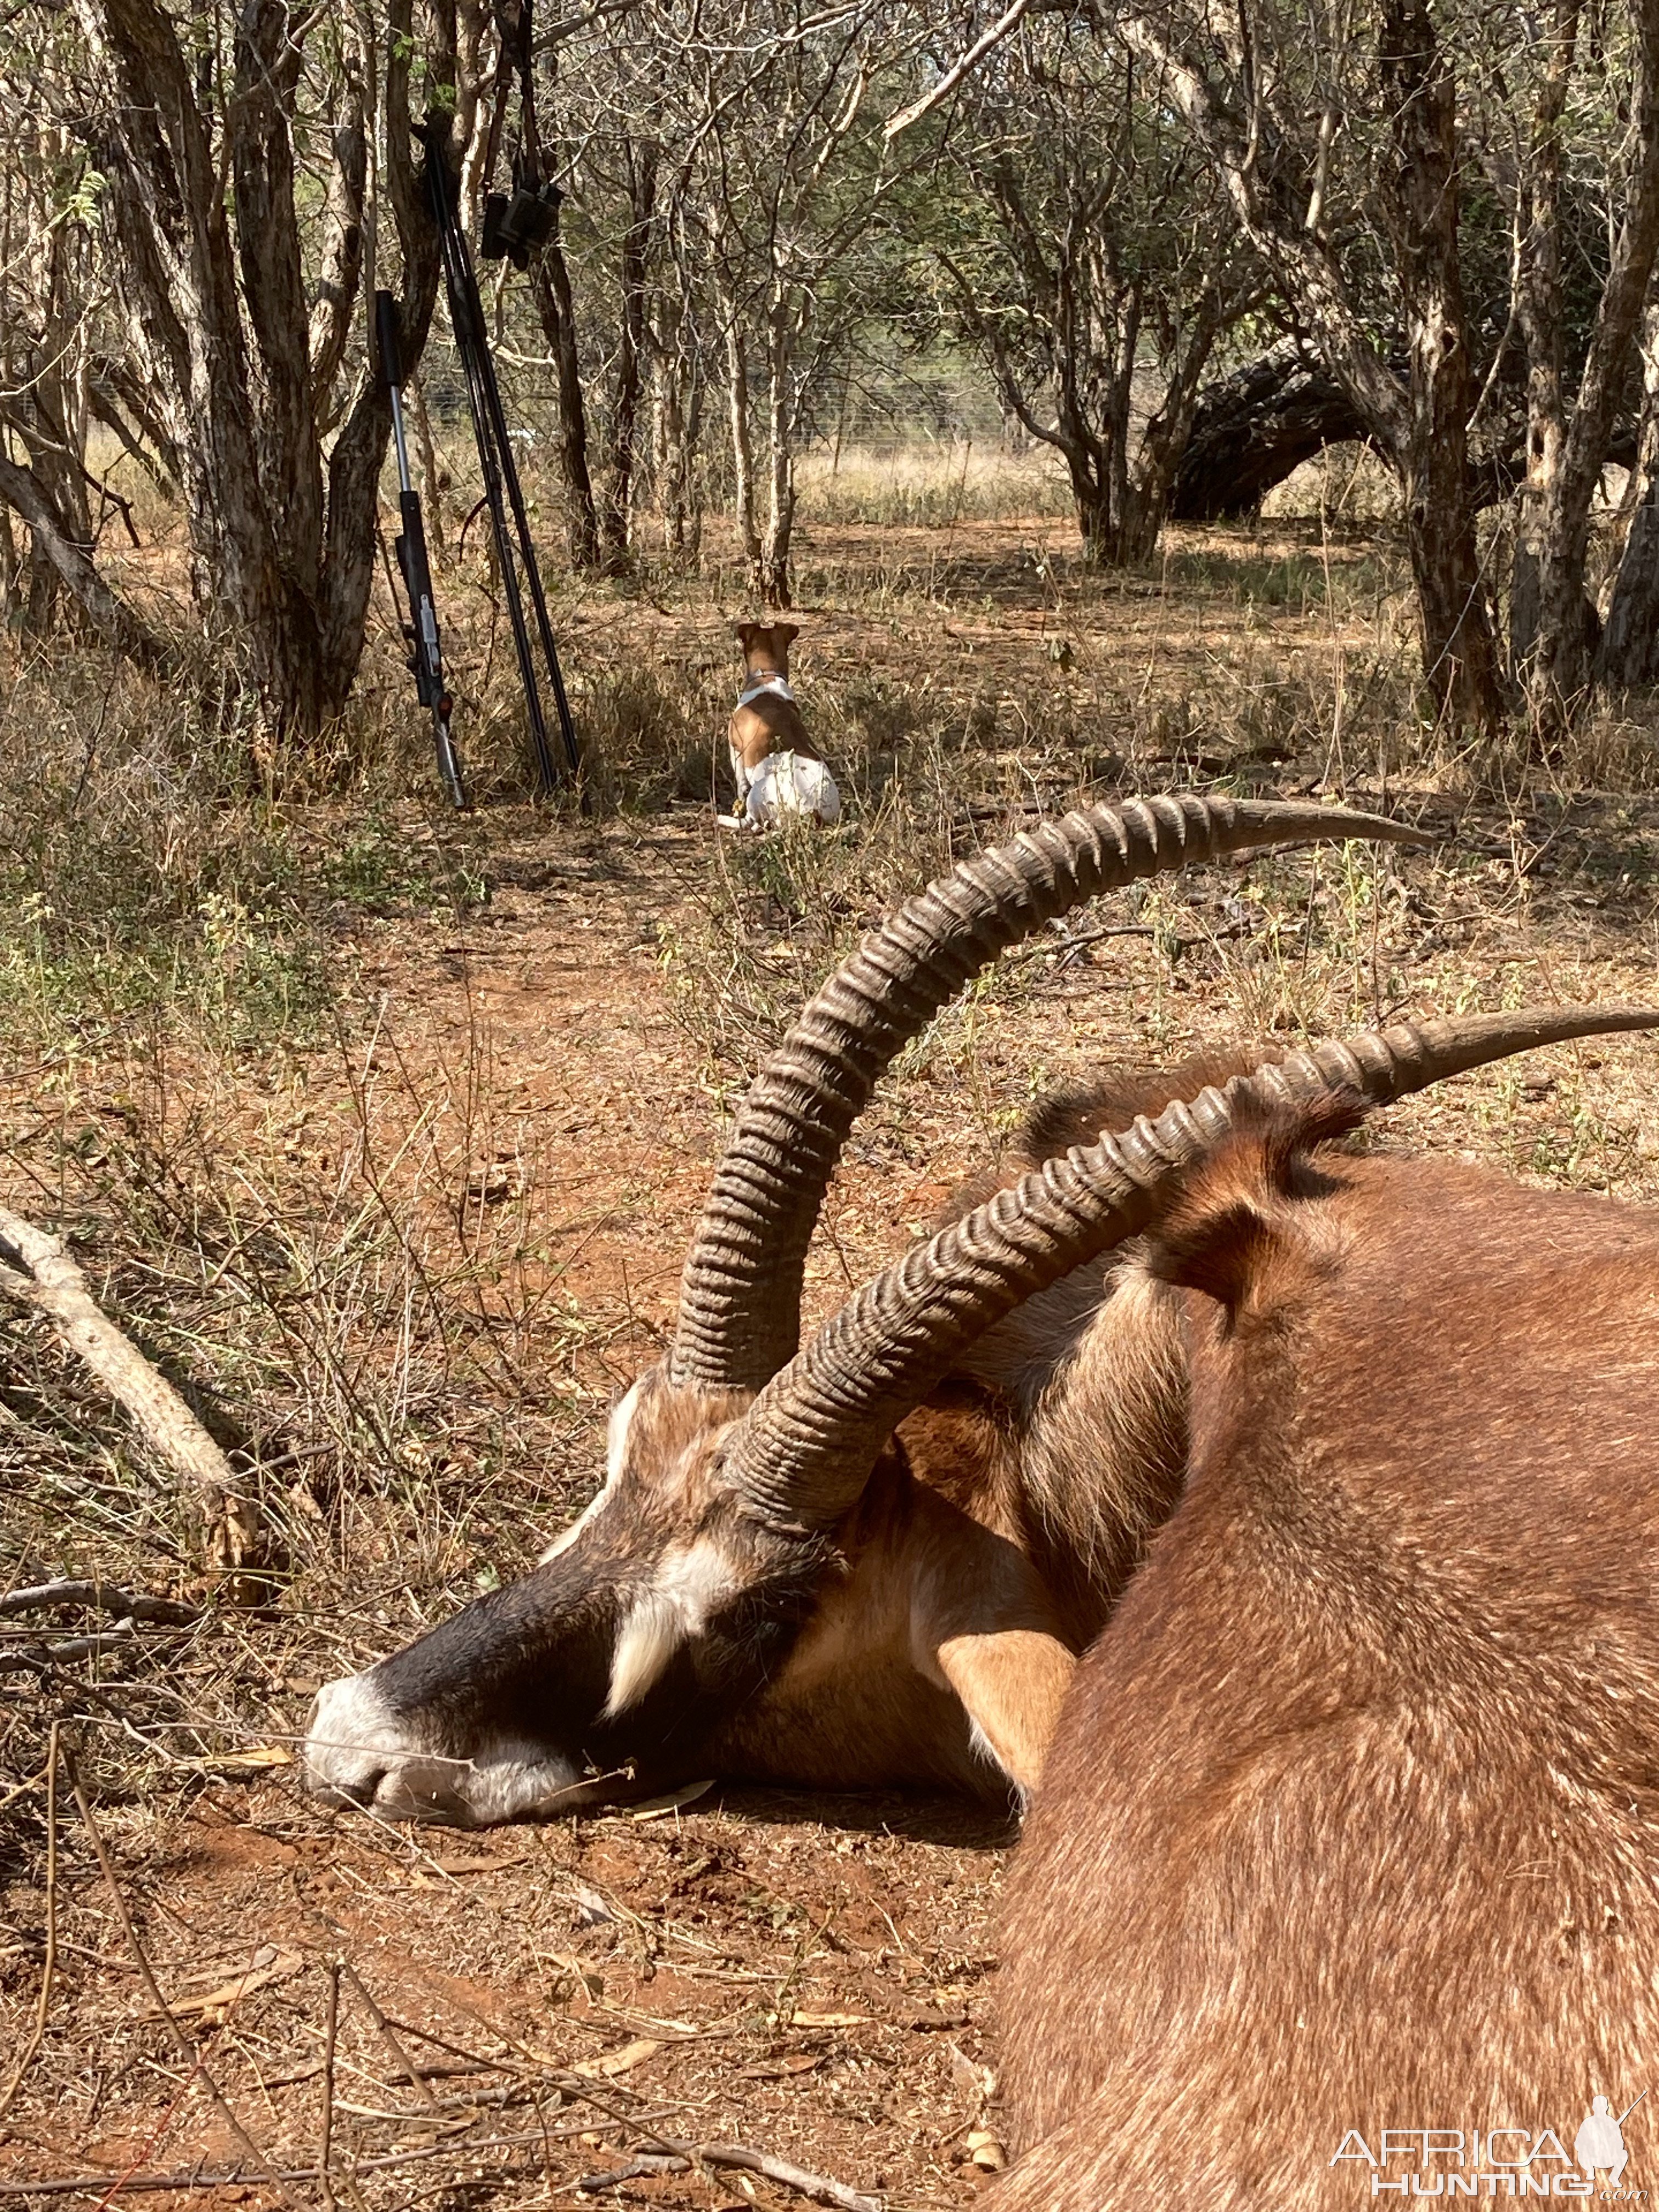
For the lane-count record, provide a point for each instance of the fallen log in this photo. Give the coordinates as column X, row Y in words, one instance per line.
column 1252, row 427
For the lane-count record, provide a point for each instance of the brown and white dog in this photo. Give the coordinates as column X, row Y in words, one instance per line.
column 777, row 767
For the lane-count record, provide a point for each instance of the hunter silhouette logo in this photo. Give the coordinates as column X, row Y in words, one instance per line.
column 1600, row 2143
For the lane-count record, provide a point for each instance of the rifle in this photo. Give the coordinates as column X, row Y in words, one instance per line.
column 426, row 655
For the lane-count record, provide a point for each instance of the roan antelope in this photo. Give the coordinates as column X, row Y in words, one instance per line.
column 793, row 1572
column 1344, row 1874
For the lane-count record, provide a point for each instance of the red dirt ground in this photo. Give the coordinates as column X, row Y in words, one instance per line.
column 805, row 1975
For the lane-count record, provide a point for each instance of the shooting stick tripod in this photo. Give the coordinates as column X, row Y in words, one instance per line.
column 499, row 472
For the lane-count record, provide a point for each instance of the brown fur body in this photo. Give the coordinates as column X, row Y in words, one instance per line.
column 1352, row 1816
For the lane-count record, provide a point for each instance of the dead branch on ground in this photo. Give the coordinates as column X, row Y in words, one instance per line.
column 36, row 1270
column 104, row 1597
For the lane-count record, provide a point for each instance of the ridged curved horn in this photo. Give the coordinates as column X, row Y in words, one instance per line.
column 739, row 1316
column 804, row 1451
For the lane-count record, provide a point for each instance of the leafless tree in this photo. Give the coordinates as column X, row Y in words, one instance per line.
column 193, row 210
column 52, row 382
column 233, row 360
column 1572, row 129
column 1345, row 137
column 1305, row 117
column 1095, row 276
column 785, row 186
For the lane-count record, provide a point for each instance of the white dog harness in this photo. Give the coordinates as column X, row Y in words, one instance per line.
column 767, row 683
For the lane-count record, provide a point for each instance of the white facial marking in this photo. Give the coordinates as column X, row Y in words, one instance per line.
column 616, row 1428
column 616, row 1451
column 646, row 1643
column 689, row 1585
column 359, row 1754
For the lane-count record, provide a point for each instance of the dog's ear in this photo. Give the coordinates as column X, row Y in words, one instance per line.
column 785, row 633
column 747, row 632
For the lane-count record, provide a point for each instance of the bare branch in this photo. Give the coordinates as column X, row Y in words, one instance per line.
column 964, row 64
column 36, row 1270
column 108, row 613
column 104, row 1597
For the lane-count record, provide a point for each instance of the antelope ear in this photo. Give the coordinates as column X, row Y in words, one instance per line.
column 1013, row 1682
column 983, row 1623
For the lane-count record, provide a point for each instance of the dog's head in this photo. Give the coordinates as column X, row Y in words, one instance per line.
column 766, row 644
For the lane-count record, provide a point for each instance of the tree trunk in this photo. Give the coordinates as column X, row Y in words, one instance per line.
column 1422, row 426
column 1629, row 656
column 1419, row 189
column 50, row 414
column 277, row 572
column 1092, row 449
column 677, row 409
column 1537, row 310
column 1564, row 649
column 630, row 360
column 359, row 455
column 1106, row 529
column 435, row 482
column 341, row 275
column 53, row 534
column 11, row 569
column 283, row 528
column 550, row 285
column 743, row 451
column 1165, row 434
column 772, row 570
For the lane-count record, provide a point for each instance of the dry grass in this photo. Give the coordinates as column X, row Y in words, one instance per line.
column 383, row 1133
column 932, row 485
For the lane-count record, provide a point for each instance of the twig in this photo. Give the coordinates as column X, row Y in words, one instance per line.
column 187, row 2050
column 49, row 1964
column 383, row 2028
column 1077, row 938
column 636, row 2169
column 22, row 1789
column 805, row 2183
column 35, row 1269
column 330, row 2031
column 76, row 1647
column 818, row 2186
column 89, row 2184
column 965, row 63
column 104, row 1597
column 739, row 2156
